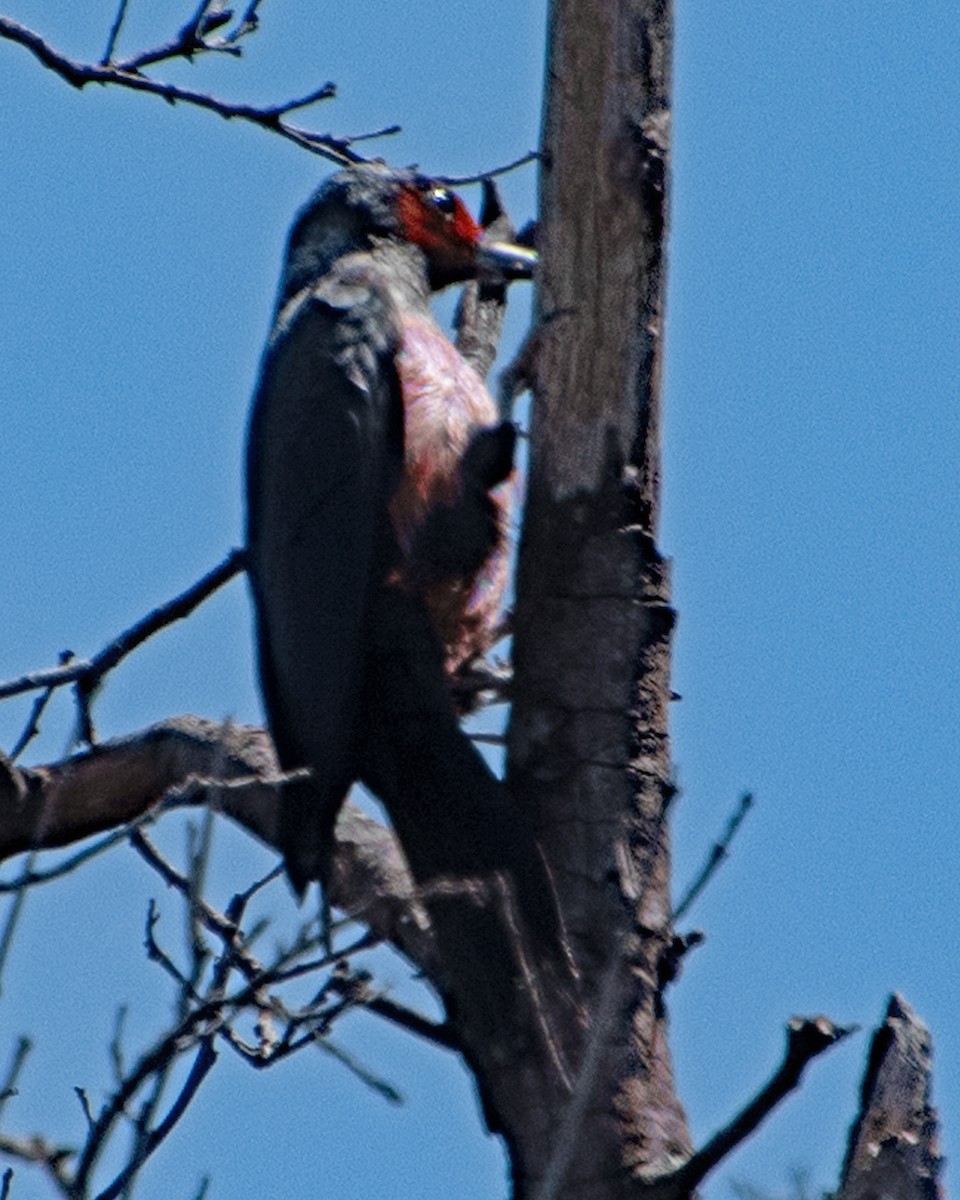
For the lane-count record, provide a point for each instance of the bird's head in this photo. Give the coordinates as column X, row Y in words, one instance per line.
column 363, row 205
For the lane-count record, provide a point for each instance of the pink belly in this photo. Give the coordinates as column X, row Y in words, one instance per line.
column 444, row 402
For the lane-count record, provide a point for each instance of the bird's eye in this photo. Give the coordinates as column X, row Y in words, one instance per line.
column 443, row 201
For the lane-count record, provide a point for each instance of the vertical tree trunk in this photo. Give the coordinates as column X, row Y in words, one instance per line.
column 588, row 747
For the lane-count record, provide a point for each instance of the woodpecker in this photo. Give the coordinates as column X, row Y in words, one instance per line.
column 377, row 495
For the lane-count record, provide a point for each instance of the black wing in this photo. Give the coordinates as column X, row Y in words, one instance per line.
column 324, row 455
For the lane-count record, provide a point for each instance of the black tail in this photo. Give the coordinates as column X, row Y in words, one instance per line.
column 451, row 813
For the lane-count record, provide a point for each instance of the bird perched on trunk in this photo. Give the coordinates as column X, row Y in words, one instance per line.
column 376, row 527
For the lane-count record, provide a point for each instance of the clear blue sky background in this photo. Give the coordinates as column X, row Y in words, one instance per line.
column 812, row 443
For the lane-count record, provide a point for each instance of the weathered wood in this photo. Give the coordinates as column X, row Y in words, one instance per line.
column 893, row 1148
column 588, row 747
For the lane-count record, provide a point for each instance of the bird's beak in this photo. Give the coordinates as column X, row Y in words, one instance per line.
column 503, row 260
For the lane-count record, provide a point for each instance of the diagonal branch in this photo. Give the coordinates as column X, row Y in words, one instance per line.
column 89, row 672
column 114, row 33
column 8, row 1088
column 189, row 761
column 204, row 1061
column 717, row 856
column 807, row 1037
column 128, row 75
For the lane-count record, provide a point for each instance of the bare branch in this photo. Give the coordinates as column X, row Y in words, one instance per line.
column 202, row 1064
column 8, row 1088
column 205, row 1012
column 413, row 1022
column 150, row 1063
column 189, row 761
column 114, row 33
column 13, row 919
column 473, row 680
column 32, row 727
column 81, row 1095
column 203, row 1188
column 127, row 74
column 157, row 954
column 715, row 859
column 193, row 38
column 89, row 672
column 116, row 1043
column 222, row 927
column 524, row 160
column 807, row 1037
column 374, row 1082
column 488, row 739
column 386, row 131
column 29, row 878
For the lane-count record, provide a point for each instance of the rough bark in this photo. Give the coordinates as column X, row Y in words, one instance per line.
column 893, row 1148
column 572, row 1059
column 588, row 748
column 191, row 761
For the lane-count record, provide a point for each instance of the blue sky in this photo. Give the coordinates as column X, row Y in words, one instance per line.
column 811, row 508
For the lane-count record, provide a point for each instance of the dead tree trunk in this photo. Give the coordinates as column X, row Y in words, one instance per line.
column 588, row 746
column 571, row 1059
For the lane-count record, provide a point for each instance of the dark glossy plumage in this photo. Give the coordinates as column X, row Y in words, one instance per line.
column 376, row 530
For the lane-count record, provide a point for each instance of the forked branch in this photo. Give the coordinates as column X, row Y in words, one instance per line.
column 192, row 39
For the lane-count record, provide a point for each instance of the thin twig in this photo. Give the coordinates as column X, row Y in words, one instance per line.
column 216, row 923
column 386, row 131
column 489, row 739
column 114, row 33
column 32, row 727
column 199, row 849
column 85, row 1105
column 715, row 858
column 243, row 898
column 440, row 1034
column 116, row 1043
column 13, row 916
column 364, row 1074
column 257, row 975
column 206, row 1057
column 78, row 75
column 166, row 1048
column 479, row 677
column 174, row 610
column 90, row 671
column 29, row 878
column 203, row 1188
column 156, row 953
column 462, row 180
column 192, row 39
column 42, row 1153
column 8, row 1088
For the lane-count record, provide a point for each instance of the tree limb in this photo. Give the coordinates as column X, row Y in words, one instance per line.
column 188, row 761
column 79, row 74
column 807, row 1037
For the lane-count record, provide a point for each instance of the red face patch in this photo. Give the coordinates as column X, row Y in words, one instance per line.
column 437, row 221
